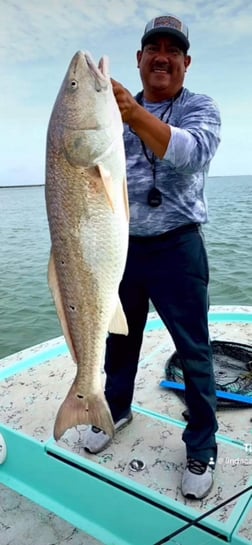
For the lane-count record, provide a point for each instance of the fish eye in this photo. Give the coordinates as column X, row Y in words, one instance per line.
column 74, row 84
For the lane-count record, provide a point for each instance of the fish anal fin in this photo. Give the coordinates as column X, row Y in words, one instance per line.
column 54, row 287
column 107, row 184
column 118, row 323
column 78, row 409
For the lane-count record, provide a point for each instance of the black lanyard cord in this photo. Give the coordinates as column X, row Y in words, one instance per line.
column 154, row 197
column 152, row 159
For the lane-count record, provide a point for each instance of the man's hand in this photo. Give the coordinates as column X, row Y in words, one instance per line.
column 126, row 102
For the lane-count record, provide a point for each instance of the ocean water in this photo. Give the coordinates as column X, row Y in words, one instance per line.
column 27, row 313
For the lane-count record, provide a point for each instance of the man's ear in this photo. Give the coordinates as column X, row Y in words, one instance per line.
column 139, row 56
column 187, row 61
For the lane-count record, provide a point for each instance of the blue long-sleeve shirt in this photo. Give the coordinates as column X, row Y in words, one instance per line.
column 180, row 176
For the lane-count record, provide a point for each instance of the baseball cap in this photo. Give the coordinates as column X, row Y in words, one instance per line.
column 167, row 24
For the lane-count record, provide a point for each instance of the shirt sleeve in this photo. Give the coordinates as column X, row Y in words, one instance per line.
column 194, row 142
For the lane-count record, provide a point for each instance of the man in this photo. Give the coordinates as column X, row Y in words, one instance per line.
column 171, row 135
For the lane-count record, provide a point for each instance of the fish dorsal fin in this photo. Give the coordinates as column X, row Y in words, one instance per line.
column 107, row 184
column 118, row 323
column 54, row 287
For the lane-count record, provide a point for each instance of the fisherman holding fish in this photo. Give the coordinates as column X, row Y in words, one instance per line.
column 170, row 137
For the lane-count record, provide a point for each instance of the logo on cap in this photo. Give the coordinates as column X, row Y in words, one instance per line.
column 171, row 22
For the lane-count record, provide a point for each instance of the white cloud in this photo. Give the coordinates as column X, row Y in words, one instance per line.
column 35, row 29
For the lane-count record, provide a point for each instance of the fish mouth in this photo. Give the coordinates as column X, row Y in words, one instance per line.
column 100, row 72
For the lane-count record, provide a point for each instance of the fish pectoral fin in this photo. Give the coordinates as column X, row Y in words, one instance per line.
column 118, row 323
column 126, row 200
column 54, row 287
column 107, row 184
column 79, row 409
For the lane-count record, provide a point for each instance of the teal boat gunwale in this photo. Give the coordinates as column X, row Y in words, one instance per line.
column 63, row 476
column 213, row 317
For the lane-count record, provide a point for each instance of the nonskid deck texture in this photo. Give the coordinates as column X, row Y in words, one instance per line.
column 32, row 385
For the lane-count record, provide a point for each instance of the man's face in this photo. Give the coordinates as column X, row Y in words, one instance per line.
column 162, row 66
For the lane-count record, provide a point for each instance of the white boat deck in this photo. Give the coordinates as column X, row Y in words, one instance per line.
column 32, row 396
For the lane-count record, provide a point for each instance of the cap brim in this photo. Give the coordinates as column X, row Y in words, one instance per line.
column 166, row 32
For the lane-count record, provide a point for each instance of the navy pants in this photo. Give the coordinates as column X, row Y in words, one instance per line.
column 173, row 273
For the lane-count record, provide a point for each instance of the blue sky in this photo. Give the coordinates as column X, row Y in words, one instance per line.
column 38, row 39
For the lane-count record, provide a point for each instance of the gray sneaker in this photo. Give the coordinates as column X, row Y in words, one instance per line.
column 95, row 440
column 197, row 479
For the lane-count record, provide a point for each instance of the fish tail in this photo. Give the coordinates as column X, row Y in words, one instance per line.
column 78, row 409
